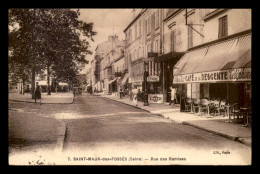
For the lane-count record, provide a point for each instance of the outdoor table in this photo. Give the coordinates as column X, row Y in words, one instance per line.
column 191, row 108
column 228, row 113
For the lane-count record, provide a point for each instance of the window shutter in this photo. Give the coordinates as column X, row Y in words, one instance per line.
column 226, row 26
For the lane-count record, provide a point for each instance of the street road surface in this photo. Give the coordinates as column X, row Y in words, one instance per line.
column 116, row 133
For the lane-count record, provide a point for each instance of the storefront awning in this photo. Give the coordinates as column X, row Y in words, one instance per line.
column 111, row 81
column 168, row 56
column 125, row 78
column 226, row 61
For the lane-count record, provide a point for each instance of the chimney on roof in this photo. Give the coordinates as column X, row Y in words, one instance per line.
column 134, row 13
column 113, row 38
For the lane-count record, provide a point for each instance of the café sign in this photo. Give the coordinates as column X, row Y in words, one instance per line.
column 155, row 98
column 232, row 75
column 153, row 79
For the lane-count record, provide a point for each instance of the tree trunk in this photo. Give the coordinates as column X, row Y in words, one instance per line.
column 23, row 86
column 33, row 83
column 48, row 80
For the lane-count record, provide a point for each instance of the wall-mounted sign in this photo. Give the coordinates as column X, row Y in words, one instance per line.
column 138, row 79
column 150, row 54
column 239, row 74
column 153, row 79
column 155, row 98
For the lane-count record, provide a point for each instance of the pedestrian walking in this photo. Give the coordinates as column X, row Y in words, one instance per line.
column 121, row 92
column 37, row 93
column 135, row 97
column 74, row 91
column 139, row 95
column 173, row 94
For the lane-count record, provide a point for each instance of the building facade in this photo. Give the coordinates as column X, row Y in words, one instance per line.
column 106, row 53
column 134, row 52
column 217, row 61
column 204, row 53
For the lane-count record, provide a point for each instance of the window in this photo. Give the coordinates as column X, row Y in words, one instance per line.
column 140, row 28
column 190, row 36
column 146, row 26
column 157, row 19
column 135, row 31
column 139, row 52
column 129, row 36
column 223, row 28
column 172, row 41
column 149, row 26
column 155, row 46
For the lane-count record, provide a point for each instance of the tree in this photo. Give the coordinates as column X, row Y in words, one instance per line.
column 49, row 39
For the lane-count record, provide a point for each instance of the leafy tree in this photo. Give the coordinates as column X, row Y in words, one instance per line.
column 48, row 39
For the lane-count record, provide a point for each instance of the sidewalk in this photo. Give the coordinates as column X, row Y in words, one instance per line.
column 57, row 98
column 216, row 125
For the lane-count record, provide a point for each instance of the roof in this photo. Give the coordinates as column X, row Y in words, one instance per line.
column 133, row 21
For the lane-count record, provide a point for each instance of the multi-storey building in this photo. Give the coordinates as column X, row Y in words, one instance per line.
column 217, row 54
column 106, row 52
column 134, row 52
column 205, row 53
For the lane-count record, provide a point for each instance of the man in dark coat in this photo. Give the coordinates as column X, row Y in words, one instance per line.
column 37, row 92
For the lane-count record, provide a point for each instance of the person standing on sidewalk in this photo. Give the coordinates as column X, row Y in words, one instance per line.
column 37, row 93
column 121, row 92
column 135, row 97
column 74, row 91
column 173, row 94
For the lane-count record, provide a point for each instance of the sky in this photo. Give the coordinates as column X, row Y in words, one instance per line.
column 106, row 22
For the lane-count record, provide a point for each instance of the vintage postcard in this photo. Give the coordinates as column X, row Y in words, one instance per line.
column 144, row 86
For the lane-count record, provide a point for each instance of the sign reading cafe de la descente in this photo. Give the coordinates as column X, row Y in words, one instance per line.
column 240, row 74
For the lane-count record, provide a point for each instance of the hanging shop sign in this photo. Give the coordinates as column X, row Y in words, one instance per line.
column 155, row 98
column 233, row 75
column 138, row 79
column 153, row 79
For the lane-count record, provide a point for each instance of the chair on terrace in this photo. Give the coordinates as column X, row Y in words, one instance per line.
column 204, row 105
column 187, row 104
column 235, row 111
column 196, row 105
column 221, row 107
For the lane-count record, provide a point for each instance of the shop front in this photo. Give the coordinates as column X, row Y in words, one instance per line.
column 219, row 71
column 166, row 63
column 123, row 83
column 112, row 86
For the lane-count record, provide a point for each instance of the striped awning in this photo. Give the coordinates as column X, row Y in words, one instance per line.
column 125, row 78
column 111, row 81
column 223, row 57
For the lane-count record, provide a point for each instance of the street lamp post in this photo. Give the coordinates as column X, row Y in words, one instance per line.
column 145, row 85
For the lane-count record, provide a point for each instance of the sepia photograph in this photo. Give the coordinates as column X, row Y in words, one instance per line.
column 129, row 86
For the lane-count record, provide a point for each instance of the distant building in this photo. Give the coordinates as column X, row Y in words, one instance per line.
column 106, row 53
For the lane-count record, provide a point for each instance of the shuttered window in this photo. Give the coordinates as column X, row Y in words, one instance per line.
column 223, row 27
column 190, row 36
column 172, row 41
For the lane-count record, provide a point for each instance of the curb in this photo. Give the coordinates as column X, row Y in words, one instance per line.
column 237, row 139
column 41, row 102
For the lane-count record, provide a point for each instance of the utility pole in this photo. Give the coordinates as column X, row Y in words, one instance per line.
column 145, row 98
